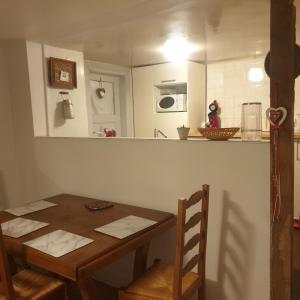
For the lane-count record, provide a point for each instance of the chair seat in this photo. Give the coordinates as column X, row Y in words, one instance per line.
column 157, row 283
column 34, row 286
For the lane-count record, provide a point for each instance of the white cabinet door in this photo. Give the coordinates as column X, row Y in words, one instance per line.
column 146, row 119
column 170, row 73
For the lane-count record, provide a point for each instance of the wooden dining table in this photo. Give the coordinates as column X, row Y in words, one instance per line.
column 80, row 265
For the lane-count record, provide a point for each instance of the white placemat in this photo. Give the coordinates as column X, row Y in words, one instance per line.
column 20, row 226
column 58, row 243
column 125, row 227
column 30, row 208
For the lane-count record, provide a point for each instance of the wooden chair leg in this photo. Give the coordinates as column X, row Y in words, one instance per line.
column 201, row 294
column 12, row 265
column 121, row 295
column 66, row 297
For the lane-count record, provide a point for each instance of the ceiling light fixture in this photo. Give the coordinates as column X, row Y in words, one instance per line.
column 178, row 49
column 256, row 74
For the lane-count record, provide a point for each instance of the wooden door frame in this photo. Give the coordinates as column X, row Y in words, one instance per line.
column 282, row 68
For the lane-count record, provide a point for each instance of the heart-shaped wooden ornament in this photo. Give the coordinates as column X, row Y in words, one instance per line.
column 100, row 92
column 276, row 116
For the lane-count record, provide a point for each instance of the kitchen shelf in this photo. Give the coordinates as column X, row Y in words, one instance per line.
column 265, row 135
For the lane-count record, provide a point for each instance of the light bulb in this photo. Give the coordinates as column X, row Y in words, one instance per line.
column 256, row 74
column 178, row 49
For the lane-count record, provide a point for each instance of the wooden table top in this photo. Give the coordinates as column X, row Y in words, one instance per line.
column 71, row 215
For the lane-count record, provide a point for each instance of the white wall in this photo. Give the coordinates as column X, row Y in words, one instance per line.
column 227, row 82
column 9, row 180
column 146, row 119
column 196, row 96
column 145, row 93
column 154, row 174
column 58, row 126
column 37, row 88
column 17, row 163
column 46, row 100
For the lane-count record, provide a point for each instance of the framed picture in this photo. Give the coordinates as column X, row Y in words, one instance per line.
column 62, row 73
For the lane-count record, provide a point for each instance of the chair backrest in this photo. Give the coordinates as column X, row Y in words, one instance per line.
column 6, row 287
column 199, row 239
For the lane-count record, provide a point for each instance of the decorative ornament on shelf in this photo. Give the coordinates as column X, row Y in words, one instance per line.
column 297, row 224
column 110, row 132
column 183, row 132
column 213, row 130
column 214, row 115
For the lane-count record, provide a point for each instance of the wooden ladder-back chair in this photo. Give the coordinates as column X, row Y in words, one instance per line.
column 178, row 282
column 27, row 284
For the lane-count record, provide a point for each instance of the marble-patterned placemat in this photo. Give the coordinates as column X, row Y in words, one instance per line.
column 30, row 208
column 20, row 226
column 125, row 227
column 58, row 243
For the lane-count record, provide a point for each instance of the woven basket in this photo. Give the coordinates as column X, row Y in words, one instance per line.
column 218, row 134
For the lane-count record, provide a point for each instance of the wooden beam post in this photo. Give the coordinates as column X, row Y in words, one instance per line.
column 282, row 69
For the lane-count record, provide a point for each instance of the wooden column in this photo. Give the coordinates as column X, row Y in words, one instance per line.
column 282, row 68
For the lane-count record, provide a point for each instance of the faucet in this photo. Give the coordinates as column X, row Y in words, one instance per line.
column 157, row 132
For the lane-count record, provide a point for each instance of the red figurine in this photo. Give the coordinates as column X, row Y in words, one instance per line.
column 297, row 224
column 110, row 132
column 213, row 116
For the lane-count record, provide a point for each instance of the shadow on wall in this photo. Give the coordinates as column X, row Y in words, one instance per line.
column 236, row 254
column 235, row 259
column 120, row 273
column 3, row 195
column 59, row 119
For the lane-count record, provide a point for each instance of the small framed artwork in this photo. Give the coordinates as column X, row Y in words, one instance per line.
column 62, row 73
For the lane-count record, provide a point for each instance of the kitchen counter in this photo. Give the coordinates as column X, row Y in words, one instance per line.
column 265, row 135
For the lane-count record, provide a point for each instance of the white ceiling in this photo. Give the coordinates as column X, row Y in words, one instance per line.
column 130, row 32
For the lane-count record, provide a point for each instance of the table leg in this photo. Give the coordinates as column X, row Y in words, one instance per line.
column 88, row 289
column 140, row 260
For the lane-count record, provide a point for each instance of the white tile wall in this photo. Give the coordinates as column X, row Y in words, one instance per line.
column 228, row 83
